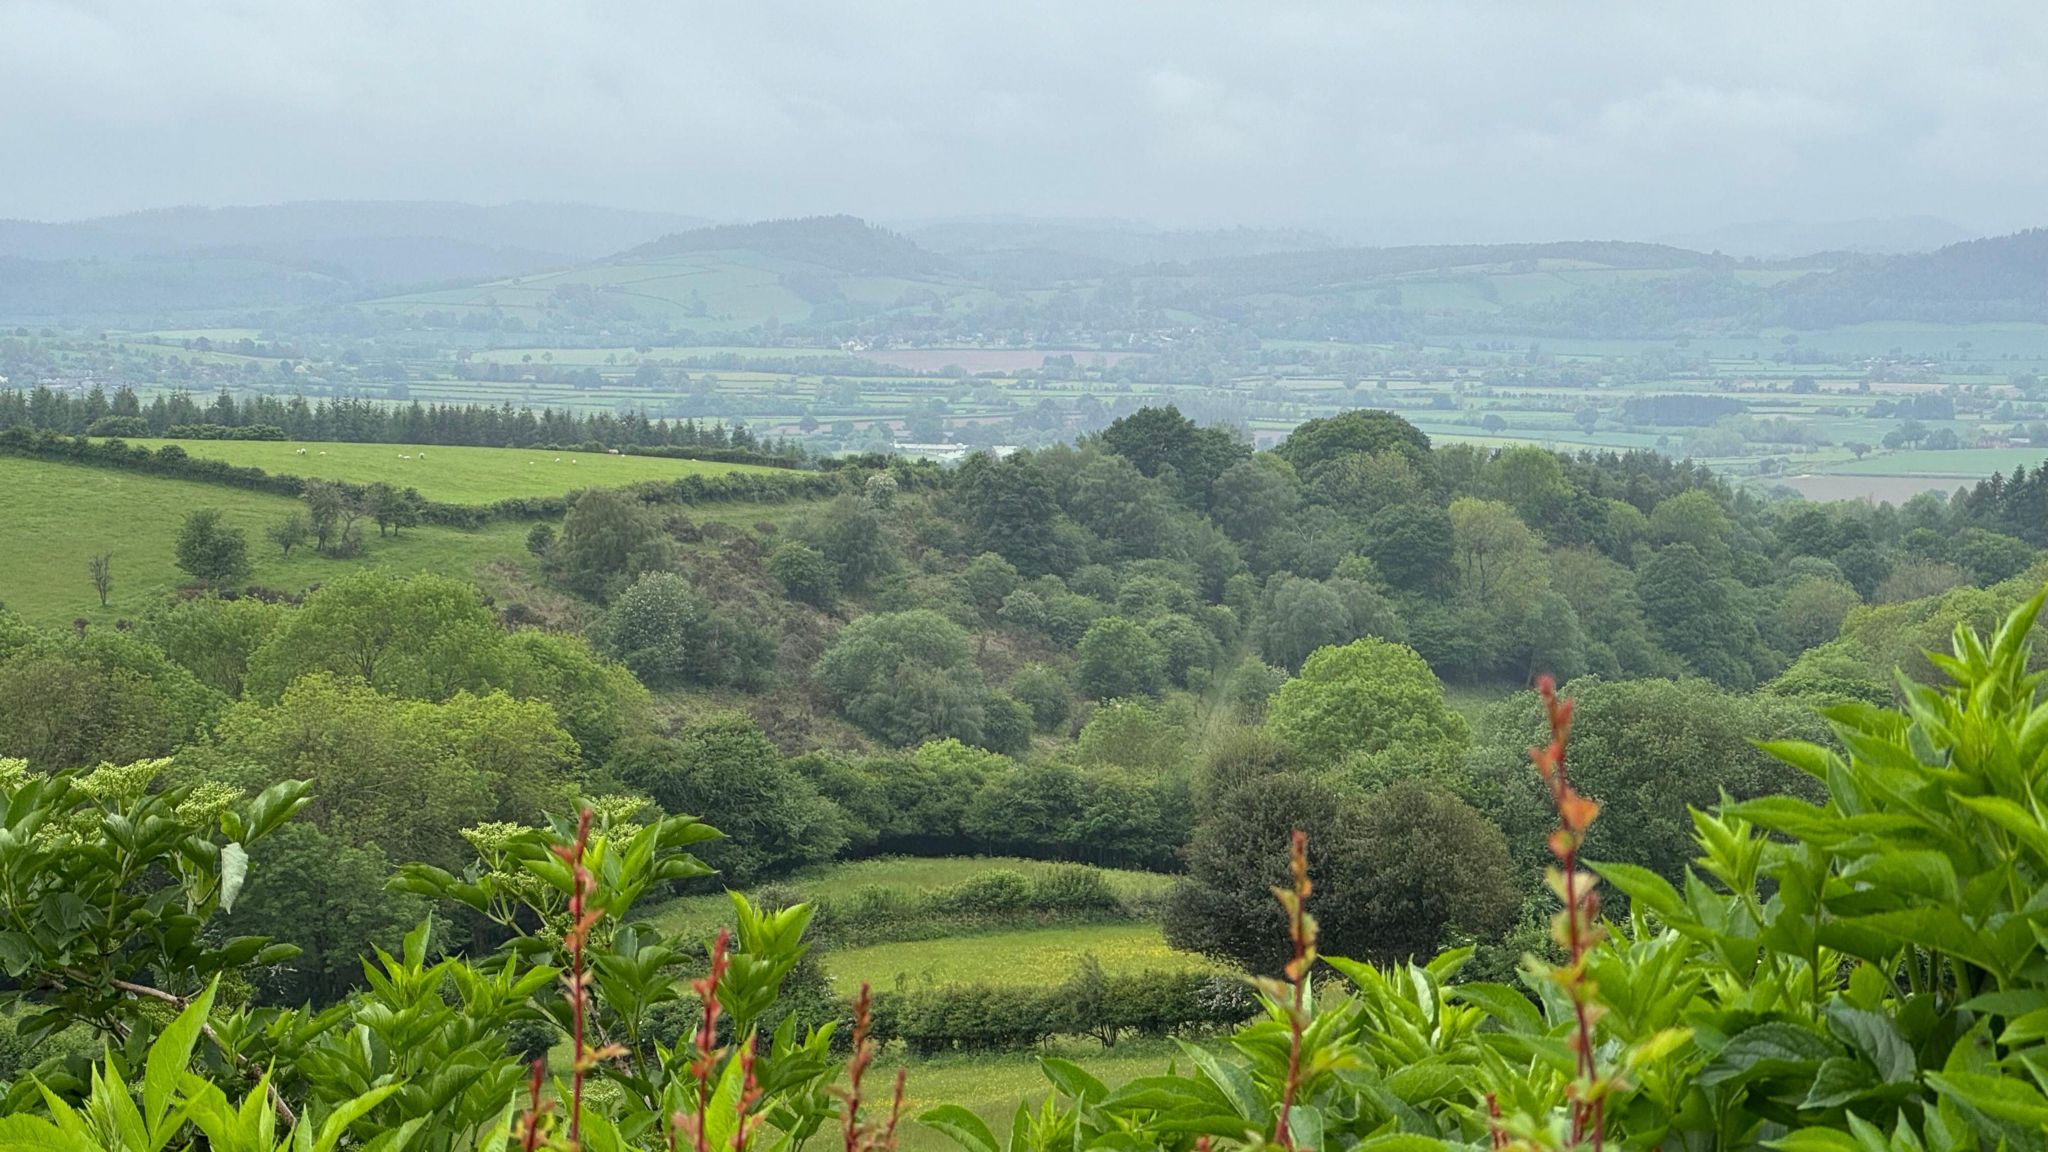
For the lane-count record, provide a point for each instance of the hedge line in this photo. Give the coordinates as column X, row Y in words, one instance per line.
column 171, row 460
column 1108, row 1008
column 999, row 899
column 716, row 455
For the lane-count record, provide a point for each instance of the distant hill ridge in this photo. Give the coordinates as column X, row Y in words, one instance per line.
column 842, row 243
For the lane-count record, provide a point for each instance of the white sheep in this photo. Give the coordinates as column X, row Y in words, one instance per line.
column 403, row 456
column 302, row 452
column 572, row 460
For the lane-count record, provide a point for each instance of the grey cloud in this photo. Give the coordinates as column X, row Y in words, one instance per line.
column 1398, row 120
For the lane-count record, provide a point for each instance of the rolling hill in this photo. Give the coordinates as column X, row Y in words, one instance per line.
column 199, row 259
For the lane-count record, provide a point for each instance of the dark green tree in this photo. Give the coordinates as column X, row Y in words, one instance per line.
column 210, row 551
column 607, row 541
column 1362, row 431
column 1119, row 658
column 725, row 772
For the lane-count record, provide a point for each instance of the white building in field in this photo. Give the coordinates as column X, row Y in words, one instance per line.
column 951, row 453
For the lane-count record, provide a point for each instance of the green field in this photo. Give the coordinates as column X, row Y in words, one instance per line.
column 991, row 1086
column 1965, row 463
column 60, row 515
column 453, row 475
column 1034, row 956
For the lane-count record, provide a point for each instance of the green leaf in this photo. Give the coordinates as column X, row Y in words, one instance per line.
column 336, row 1125
column 1999, row 1097
column 961, row 1126
column 1814, row 1140
column 2016, row 821
column 1510, row 1008
column 17, row 952
column 1421, row 1083
column 1235, row 1084
column 1072, row 1080
column 1838, row 1081
column 1400, row 1142
column 234, row 869
column 170, row 1055
column 1875, row 1038
column 1645, row 887
column 2025, row 1028
column 35, row 1134
column 1305, row 1125
column 1935, row 929
column 1811, row 759
column 1768, row 1049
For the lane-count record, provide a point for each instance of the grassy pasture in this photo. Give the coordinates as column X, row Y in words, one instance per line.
column 992, row 1085
column 1033, row 956
column 454, row 475
column 1964, row 463
column 60, row 515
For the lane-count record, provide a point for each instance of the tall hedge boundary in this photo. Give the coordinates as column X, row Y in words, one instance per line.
column 991, row 1017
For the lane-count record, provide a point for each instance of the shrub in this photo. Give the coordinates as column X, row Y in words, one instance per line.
column 1118, row 658
column 804, row 573
column 1044, row 692
column 997, row 890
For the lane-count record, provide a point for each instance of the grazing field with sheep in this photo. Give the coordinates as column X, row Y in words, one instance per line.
column 453, row 475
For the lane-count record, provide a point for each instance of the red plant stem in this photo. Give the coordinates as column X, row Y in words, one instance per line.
column 1575, row 814
column 580, row 887
column 529, row 1140
column 888, row 1141
column 1297, row 974
column 750, row 1091
column 856, row 1067
column 705, row 1059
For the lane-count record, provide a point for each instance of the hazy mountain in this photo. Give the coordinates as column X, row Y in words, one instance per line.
column 2000, row 278
column 840, row 243
column 368, row 242
column 1782, row 239
column 1100, row 242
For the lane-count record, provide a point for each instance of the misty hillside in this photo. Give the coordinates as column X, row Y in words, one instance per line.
column 1106, row 243
column 1786, row 239
column 836, row 277
column 840, row 243
column 579, row 231
column 199, row 259
column 2004, row 278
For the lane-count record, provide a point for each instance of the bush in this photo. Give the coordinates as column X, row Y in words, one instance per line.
column 805, row 574
column 119, row 426
column 1005, row 724
column 1043, row 691
column 210, row 551
column 905, row 677
column 998, row 890
column 607, row 542
column 1396, row 874
column 1119, row 658
column 726, row 772
column 984, row 1017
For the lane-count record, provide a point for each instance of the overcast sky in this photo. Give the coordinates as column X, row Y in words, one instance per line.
column 1417, row 119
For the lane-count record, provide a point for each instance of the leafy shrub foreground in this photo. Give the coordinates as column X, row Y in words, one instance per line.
column 1864, row 973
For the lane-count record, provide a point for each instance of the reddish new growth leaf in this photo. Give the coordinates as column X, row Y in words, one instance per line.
column 856, row 1135
column 1301, row 930
column 1576, row 927
column 705, row 1053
